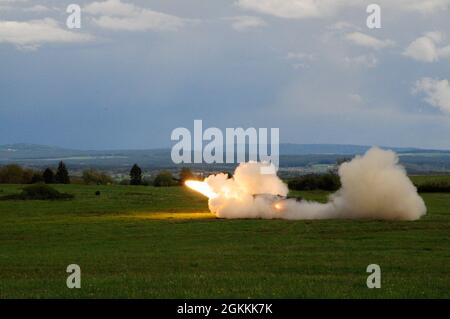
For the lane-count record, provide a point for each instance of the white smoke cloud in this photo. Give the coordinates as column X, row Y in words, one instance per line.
column 374, row 186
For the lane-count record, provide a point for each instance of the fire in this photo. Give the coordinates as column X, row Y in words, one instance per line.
column 202, row 188
column 278, row 206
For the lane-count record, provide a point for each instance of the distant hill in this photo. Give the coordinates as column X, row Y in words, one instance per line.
column 291, row 155
column 342, row 149
column 36, row 151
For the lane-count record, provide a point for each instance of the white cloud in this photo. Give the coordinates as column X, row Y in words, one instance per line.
column 422, row 49
column 299, row 9
column 343, row 25
column 118, row 15
column 112, row 8
column 444, row 52
column 32, row 34
column 24, row 8
column 368, row 41
column 436, row 36
column 294, row 9
column 368, row 61
column 148, row 20
column 37, row 8
column 437, row 92
column 301, row 59
column 241, row 23
column 426, row 48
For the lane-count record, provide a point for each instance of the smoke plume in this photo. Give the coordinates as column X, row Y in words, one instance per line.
column 374, row 186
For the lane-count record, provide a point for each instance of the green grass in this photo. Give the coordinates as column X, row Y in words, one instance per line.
column 422, row 179
column 163, row 243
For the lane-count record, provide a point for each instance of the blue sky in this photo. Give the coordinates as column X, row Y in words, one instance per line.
column 136, row 70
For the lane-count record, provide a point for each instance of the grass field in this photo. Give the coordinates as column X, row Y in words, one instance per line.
column 145, row 242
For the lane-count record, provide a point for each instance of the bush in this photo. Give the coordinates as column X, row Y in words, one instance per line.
column 186, row 174
column 434, row 187
column 16, row 174
column 94, row 177
column 164, row 179
column 327, row 182
column 38, row 192
column 11, row 174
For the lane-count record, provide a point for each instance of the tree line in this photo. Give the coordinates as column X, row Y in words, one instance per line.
column 16, row 174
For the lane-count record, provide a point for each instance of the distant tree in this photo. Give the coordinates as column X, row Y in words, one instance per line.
column 92, row 176
column 135, row 175
column 27, row 176
column 16, row 174
column 49, row 176
column 62, row 174
column 327, row 182
column 11, row 174
column 163, row 179
column 186, row 174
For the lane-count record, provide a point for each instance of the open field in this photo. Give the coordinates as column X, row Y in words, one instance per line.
column 146, row 242
column 421, row 179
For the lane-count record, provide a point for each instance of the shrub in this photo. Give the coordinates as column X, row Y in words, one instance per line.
column 434, row 187
column 38, row 192
column 164, row 179
column 186, row 174
column 16, row 174
column 92, row 176
column 11, row 174
column 37, row 178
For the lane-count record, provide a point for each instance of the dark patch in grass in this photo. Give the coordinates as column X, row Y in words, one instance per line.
column 38, row 192
column 434, row 187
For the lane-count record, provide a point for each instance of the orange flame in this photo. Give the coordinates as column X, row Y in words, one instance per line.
column 201, row 187
column 278, row 206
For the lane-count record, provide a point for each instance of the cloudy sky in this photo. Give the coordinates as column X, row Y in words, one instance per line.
column 138, row 69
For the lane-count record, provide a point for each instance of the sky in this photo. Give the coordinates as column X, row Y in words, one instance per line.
column 136, row 70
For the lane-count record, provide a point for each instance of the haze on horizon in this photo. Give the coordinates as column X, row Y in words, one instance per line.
column 136, row 70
